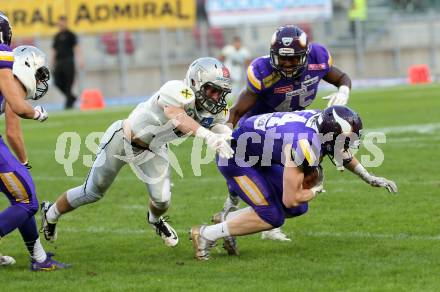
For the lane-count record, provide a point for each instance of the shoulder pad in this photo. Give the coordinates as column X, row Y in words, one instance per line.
column 175, row 93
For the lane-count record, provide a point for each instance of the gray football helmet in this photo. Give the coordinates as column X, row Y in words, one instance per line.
column 207, row 76
column 30, row 66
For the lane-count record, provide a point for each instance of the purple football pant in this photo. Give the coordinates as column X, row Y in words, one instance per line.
column 16, row 183
column 262, row 189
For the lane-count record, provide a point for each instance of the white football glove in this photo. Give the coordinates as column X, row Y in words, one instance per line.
column 40, row 114
column 383, row 182
column 338, row 98
column 375, row 181
column 318, row 189
column 217, row 142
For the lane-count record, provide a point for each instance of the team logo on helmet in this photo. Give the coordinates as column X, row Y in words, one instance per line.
column 345, row 126
column 226, row 73
column 287, row 41
column 303, row 39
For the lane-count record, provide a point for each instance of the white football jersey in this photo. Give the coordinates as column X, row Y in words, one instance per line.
column 148, row 119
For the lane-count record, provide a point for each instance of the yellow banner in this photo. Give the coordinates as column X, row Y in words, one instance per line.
column 33, row 18
column 39, row 17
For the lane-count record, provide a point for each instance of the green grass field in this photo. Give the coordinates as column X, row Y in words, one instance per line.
column 354, row 237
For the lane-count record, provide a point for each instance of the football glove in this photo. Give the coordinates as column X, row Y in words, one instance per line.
column 217, row 142
column 318, row 189
column 40, row 114
column 338, row 98
column 383, row 182
column 26, row 164
column 375, row 181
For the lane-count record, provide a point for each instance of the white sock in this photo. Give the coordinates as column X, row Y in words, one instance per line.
column 152, row 218
column 39, row 254
column 214, row 232
column 238, row 212
column 53, row 214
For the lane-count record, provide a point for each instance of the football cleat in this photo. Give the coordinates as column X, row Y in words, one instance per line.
column 231, row 204
column 6, row 260
column 48, row 229
column 229, row 242
column 165, row 231
column 201, row 245
column 275, row 234
column 48, row 265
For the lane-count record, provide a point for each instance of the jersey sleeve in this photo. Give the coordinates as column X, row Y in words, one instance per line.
column 175, row 93
column 321, row 58
column 254, row 76
column 6, row 57
column 304, row 153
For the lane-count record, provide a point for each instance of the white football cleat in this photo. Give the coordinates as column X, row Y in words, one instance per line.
column 229, row 242
column 201, row 245
column 231, row 204
column 49, row 230
column 6, row 260
column 165, row 231
column 275, row 234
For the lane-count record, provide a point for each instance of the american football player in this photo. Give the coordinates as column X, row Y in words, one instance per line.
column 270, row 179
column 287, row 80
column 23, row 75
column 194, row 106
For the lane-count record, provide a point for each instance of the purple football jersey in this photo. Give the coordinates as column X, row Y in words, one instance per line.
column 260, row 139
column 277, row 94
column 6, row 62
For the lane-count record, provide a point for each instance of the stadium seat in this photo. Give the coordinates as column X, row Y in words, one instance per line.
column 110, row 41
column 215, row 37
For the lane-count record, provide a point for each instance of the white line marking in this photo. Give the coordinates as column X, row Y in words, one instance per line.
column 219, row 178
column 352, row 235
column 414, row 128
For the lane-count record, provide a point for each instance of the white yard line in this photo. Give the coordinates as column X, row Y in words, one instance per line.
column 219, row 178
column 183, row 232
column 414, row 128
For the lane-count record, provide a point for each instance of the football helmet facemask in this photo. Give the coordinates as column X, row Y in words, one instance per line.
column 289, row 50
column 341, row 128
column 211, row 82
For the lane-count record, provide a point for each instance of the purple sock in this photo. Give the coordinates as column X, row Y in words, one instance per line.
column 11, row 218
column 29, row 233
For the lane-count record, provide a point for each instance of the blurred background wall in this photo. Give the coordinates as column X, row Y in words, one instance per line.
column 126, row 60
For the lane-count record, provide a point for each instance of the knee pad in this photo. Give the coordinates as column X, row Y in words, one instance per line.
column 272, row 215
column 33, row 208
column 81, row 196
column 297, row 211
column 160, row 195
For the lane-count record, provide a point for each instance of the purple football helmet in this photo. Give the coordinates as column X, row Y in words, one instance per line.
column 289, row 49
column 341, row 128
column 5, row 30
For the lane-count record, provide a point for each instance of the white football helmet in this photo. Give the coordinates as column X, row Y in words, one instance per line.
column 208, row 75
column 30, row 67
